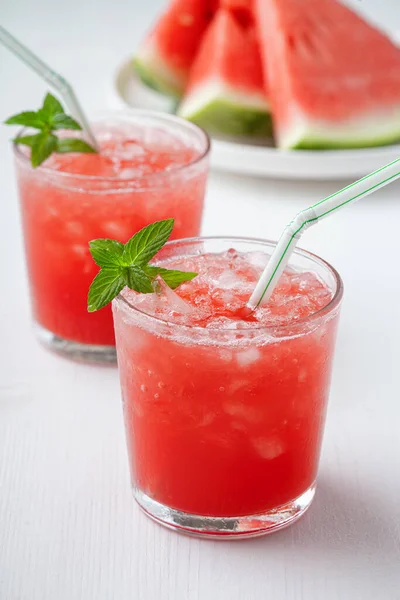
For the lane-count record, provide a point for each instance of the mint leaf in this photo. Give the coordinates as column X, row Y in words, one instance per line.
column 106, row 253
column 26, row 119
column 51, row 106
column 105, row 286
column 43, row 145
column 26, row 140
column 73, row 145
column 136, row 279
column 126, row 264
column 171, row 277
column 62, row 121
column 49, row 118
column 147, row 242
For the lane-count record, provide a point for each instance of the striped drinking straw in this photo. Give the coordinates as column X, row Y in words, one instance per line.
column 309, row 216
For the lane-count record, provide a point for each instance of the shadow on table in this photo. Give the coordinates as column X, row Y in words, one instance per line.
column 345, row 521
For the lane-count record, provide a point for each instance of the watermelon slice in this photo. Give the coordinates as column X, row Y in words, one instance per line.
column 225, row 93
column 164, row 59
column 334, row 80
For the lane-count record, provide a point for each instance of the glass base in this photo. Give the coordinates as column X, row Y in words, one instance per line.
column 226, row 527
column 88, row 353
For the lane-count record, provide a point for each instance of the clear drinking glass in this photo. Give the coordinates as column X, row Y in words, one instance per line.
column 62, row 210
column 224, row 426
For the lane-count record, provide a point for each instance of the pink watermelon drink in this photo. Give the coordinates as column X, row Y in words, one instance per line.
column 334, row 79
column 224, row 414
column 150, row 167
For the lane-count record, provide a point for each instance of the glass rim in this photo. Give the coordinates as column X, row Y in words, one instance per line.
column 127, row 113
column 328, row 308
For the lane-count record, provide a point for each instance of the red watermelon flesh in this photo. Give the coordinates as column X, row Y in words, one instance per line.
column 164, row 59
column 229, row 52
column 226, row 91
column 241, row 9
column 334, row 79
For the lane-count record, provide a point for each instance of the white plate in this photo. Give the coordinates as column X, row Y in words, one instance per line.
column 263, row 160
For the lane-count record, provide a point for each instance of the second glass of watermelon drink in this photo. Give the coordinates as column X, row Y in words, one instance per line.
column 224, row 413
column 151, row 167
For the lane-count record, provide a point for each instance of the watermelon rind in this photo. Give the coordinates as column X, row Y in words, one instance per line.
column 371, row 130
column 155, row 74
column 219, row 109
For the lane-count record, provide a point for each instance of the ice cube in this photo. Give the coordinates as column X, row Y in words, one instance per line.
column 231, row 254
column 268, row 448
column 284, row 284
column 74, row 228
column 117, row 230
column 247, row 357
column 175, row 303
column 228, row 280
column 227, row 297
column 130, row 173
column 242, row 411
column 238, row 384
column 80, row 250
column 304, row 280
column 225, row 355
column 258, row 259
column 130, row 150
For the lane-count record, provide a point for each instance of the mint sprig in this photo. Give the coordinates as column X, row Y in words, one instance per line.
column 127, row 265
column 48, row 119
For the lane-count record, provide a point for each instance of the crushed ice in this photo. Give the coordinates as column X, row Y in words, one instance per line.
column 224, row 283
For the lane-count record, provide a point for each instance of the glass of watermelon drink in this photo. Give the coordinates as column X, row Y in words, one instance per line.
column 224, row 413
column 151, row 167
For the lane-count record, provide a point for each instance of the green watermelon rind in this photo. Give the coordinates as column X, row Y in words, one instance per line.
column 315, row 143
column 371, row 129
column 154, row 76
column 222, row 115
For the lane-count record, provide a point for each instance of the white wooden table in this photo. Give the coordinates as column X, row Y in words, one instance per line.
column 69, row 529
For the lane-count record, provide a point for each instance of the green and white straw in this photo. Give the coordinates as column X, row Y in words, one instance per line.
column 309, row 216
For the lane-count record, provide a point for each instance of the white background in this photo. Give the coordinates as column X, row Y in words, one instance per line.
column 69, row 529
